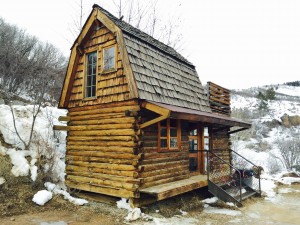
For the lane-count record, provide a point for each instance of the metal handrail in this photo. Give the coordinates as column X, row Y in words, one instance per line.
column 230, row 165
column 252, row 164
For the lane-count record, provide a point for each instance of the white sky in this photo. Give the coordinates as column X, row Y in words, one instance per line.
column 234, row 43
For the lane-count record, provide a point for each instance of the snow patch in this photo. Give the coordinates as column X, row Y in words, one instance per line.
column 2, row 180
column 134, row 214
column 210, row 200
column 289, row 180
column 228, row 212
column 42, row 197
column 58, row 191
column 20, row 163
column 123, row 204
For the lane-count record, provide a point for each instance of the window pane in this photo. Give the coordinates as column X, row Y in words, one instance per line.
column 173, row 143
column 93, row 91
column 173, row 123
column 163, row 132
column 88, row 92
column 91, row 74
column 109, row 58
column 193, row 133
column 88, row 81
column 163, row 123
column 193, row 145
column 173, row 132
column 163, row 143
column 206, row 131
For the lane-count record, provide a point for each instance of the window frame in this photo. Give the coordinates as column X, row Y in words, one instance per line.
column 168, row 137
column 115, row 59
column 86, row 64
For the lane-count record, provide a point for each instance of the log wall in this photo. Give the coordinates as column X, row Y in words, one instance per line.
column 102, row 146
column 162, row 167
column 220, row 144
column 111, row 86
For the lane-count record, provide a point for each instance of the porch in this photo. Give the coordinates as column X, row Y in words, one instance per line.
column 164, row 191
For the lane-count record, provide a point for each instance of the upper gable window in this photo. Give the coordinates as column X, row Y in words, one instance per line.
column 90, row 82
column 109, row 58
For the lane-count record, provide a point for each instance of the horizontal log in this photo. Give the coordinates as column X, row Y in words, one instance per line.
column 125, row 120
column 119, row 132
column 165, row 176
column 107, row 166
column 105, row 110
column 98, row 116
column 101, row 127
column 103, row 183
column 164, row 181
column 115, row 149
column 102, row 160
column 164, row 171
column 163, row 165
column 59, row 127
column 102, row 138
column 107, row 177
column 133, row 113
column 104, row 143
column 158, row 155
column 103, row 190
column 162, row 160
column 64, row 118
column 111, row 155
column 74, row 168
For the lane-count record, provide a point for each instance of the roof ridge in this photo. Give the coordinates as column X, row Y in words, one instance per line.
column 144, row 37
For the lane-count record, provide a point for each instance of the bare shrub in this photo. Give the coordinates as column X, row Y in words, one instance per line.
column 290, row 151
column 273, row 165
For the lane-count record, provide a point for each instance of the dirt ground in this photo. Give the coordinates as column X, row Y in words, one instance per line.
column 17, row 207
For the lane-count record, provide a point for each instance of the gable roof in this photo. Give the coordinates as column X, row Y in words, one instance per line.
column 156, row 71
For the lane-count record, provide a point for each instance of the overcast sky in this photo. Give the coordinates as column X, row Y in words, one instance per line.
column 234, row 43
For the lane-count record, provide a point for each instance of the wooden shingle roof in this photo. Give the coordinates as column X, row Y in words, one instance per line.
column 161, row 74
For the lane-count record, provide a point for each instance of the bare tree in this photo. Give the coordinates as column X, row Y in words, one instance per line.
column 289, row 151
column 29, row 68
column 145, row 16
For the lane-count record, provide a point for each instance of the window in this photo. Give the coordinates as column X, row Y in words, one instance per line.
column 169, row 134
column 109, row 58
column 90, row 82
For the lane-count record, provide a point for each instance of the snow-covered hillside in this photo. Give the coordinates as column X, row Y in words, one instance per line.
column 264, row 143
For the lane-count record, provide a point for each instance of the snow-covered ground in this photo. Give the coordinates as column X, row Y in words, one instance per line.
column 46, row 151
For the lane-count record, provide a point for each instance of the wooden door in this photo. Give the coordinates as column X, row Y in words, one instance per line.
column 199, row 140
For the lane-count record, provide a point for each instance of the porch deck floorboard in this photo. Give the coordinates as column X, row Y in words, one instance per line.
column 171, row 189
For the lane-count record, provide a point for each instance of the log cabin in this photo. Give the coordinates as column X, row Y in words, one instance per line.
column 140, row 124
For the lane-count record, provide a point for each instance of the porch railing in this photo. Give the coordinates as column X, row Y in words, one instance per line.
column 233, row 178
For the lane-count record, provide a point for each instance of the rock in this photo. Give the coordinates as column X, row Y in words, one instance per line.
column 12, row 219
column 291, row 174
column 289, row 121
column 2, row 102
column 272, row 124
column 17, row 102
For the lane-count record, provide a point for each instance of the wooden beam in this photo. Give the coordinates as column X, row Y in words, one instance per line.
column 238, row 130
column 155, row 108
column 156, row 120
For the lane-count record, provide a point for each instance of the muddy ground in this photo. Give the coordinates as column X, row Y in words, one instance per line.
column 17, row 208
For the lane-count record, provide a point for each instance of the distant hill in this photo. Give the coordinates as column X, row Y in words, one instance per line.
column 270, row 135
